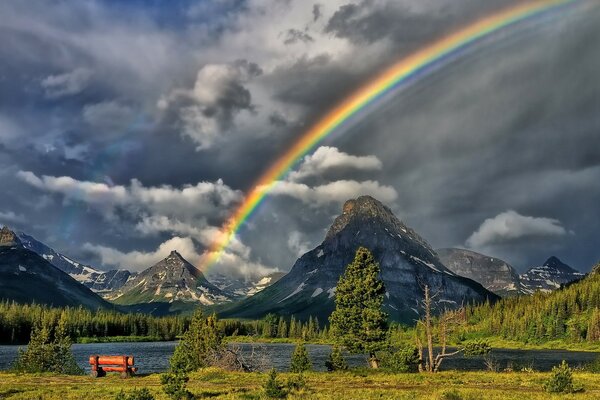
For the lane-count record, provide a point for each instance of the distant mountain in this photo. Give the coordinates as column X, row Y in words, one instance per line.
column 407, row 264
column 242, row 288
column 494, row 274
column 26, row 277
column 172, row 280
column 549, row 276
column 98, row 281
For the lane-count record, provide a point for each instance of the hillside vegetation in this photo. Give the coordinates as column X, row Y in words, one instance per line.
column 570, row 314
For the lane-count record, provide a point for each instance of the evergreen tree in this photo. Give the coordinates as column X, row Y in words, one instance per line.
column 49, row 350
column 300, row 360
column 336, row 361
column 358, row 321
column 274, row 389
column 201, row 343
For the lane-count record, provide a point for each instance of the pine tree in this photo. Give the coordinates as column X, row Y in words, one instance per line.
column 336, row 361
column 199, row 345
column 300, row 360
column 358, row 321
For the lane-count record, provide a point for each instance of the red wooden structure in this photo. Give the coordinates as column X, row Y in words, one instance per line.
column 103, row 364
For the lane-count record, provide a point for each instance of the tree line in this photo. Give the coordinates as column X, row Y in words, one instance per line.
column 571, row 314
column 18, row 320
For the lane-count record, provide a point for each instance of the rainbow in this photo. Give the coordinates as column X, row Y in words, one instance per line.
column 394, row 77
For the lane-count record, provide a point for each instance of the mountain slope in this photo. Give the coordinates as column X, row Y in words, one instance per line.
column 549, row 276
column 407, row 263
column 170, row 280
column 98, row 281
column 26, row 277
column 494, row 274
column 240, row 288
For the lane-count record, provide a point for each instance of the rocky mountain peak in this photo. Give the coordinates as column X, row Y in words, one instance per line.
column 406, row 260
column 361, row 209
column 8, row 238
column 556, row 263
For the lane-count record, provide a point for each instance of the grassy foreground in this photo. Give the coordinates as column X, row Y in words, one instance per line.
column 363, row 385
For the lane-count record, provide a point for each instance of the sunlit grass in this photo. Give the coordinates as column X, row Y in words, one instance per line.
column 354, row 384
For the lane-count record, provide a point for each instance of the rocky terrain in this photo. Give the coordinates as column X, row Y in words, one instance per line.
column 98, row 281
column 494, row 274
column 171, row 280
column 549, row 276
column 27, row 277
column 407, row 261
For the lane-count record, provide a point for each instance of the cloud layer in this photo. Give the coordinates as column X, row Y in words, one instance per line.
column 136, row 127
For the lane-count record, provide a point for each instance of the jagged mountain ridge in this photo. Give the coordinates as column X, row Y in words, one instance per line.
column 26, row 277
column 493, row 273
column 407, row 264
column 171, row 280
column 549, row 276
column 241, row 288
column 97, row 281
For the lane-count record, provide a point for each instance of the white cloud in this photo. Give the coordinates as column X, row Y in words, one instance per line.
column 191, row 201
column 138, row 260
column 326, row 158
column 9, row 216
column 297, row 244
column 229, row 263
column 510, row 225
column 334, row 192
column 209, row 108
column 67, row 84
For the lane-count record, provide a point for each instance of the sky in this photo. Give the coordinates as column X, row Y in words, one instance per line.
column 130, row 129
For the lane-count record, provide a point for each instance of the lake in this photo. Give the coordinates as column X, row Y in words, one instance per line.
column 152, row 357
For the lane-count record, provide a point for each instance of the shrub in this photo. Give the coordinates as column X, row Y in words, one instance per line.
column 336, row 361
column 451, row 395
column 594, row 366
column 274, row 389
column 561, row 380
column 405, row 359
column 174, row 385
column 135, row 394
column 296, row 383
column 476, row 348
column 300, row 360
column 199, row 346
column 49, row 350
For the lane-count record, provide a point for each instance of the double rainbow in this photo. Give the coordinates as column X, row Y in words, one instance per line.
column 394, row 77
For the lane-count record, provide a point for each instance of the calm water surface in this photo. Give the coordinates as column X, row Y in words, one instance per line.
column 153, row 357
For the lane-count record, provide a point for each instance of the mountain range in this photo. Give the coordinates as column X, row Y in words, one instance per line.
column 501, row 278
column 407, row 263
column 27, row 277
column 33, row 271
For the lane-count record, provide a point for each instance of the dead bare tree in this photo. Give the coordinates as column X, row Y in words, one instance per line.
column 446, row 323
column 234, row 358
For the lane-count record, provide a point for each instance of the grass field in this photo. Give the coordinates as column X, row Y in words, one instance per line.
column 363, row 385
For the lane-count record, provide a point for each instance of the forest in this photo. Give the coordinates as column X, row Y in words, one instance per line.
column 571, row 314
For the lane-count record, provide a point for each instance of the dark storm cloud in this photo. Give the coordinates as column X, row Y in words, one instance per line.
column 294, row 36
column 103, row 92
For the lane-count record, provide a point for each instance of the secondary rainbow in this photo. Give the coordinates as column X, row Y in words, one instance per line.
column 390, row 79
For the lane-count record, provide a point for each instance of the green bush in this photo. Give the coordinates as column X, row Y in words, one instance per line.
column 273, row 389
column 594, row 366
column 49, row 350
column 336, row 361
column 300, row 360
column 405, row 359
column 174, row 385
column 476, row 348
column 135, row 394
column 451, row 395
column 561, row 380
column 296, row 383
